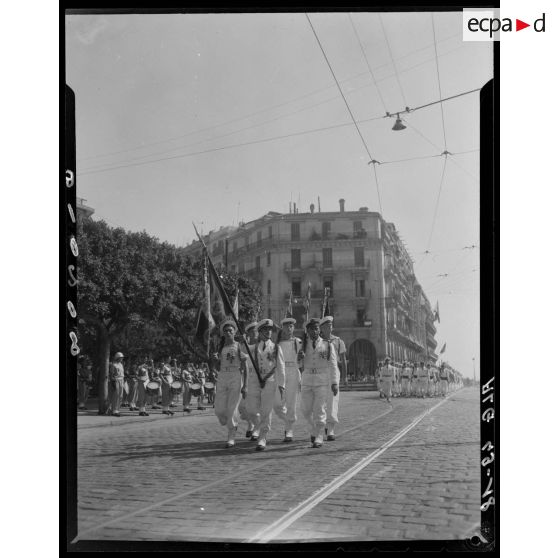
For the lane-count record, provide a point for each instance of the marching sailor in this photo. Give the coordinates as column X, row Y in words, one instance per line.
column 406, row 374
column 320, row 375
column 290, row 346
column 387, row 377
column 423, row 374
column 252, row 385
column 332, row 408
column 443, row 381
column 271, row 365
column 232, row 380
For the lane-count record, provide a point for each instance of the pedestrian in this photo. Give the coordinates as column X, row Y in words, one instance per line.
column 132, row 380
column 200, row 378
column 387, row 377
column 116, row 380
column 271, row 365
column 290, row 345
column 142, row 379
column 155, row 376
column 396, row 387
column 332, row 408
column 166, row 381
column 85, row 377
column 252, row 385
column 320, row 375
column 232, row 380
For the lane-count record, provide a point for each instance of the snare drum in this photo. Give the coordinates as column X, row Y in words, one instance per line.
column 209, row 386
column 195, row 390
column 176, row 387
column 152, row 388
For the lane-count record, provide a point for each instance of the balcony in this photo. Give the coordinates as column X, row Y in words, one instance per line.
column 256, row 274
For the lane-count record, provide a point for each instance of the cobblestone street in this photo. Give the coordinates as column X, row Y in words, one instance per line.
column 405, row 471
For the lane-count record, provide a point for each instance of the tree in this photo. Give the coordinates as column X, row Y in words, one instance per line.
column 141, row 296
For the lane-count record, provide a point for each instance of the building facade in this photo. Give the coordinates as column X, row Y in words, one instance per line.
column 379, row 307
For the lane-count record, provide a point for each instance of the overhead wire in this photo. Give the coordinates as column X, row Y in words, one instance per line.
column 367, row 63
column 348, row 108
column 392, row 60
column 145, row 145
column 439, row 82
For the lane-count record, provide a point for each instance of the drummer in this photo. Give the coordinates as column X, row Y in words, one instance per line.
column 175, row 371
column 211, row 379
column 166, row 381
column 155, row 376
column 200, row 376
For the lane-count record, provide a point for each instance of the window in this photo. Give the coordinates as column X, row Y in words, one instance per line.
column 295, row 258
column 257, row 263
column 296, row 287
column 268, row 256
column 259, row 241
column 295, row 231
column 241, row 268
column 360, row 287
column 269, row 231
column 357, row 226
column 233, row 268
column 361, row 316
column 359, row 256
column 326, row 229
column 327, row 257
column 269, row 286
column 328, row 284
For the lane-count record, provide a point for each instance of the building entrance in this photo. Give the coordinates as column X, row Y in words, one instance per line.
column 362, row 360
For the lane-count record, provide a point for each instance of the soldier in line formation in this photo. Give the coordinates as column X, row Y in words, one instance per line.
column 415, row 380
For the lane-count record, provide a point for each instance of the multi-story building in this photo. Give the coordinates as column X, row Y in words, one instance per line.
column 378, row 305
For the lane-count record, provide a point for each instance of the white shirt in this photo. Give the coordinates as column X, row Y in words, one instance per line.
column 265, row 353
column 318, row 370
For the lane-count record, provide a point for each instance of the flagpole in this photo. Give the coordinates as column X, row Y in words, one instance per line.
column 226, row 300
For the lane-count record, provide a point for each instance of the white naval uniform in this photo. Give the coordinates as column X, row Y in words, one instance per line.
column 143, row 378
column 444, row 382
column 286, row 408
column 318, row 376
column 332, row 407
column 406, row 380
column 166, row 381
column 252, row 386
column 422, row 381
column 228, row 396
column 387, row 377
column 263, row 400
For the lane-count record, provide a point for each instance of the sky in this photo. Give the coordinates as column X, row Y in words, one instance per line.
column 216, row 118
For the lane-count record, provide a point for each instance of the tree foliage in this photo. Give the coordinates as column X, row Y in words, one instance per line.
column 141, row 296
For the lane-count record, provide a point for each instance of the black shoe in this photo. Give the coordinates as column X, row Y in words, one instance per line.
column 248, row 433
column 165, row 412
column 201, row 408
column 155, row 407
column 170, row 413
column 172, row 405
column 330, row 437
column 312, row 439
column 187, row 411
column 325, row 431
column 145, row 414
column 254, row 438
column 115, row 414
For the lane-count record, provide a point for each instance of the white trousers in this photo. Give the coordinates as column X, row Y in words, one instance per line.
column 259, row 405
column 227, row 398
column 286, row 409
column 444, row 386
column 385, row 386
column 405, row 386
column 313, row 402
column 332, row 409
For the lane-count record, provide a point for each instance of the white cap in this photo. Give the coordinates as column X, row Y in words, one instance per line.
column 118, row 355
column 266, row 322
column 326, row 320
column 227, row 323
column 288, row 321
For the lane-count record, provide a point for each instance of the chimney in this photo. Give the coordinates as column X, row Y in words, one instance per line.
column 312, row 208
column 342, row 205
column 290, row 207
column 294, row 207
column 319, row 206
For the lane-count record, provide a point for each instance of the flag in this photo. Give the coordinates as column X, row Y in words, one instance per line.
column 289, row 310
column 325, row 304
column 437, row 313
column 205, row 322
column 443, row 349
column 235, row 304
column 307, row 302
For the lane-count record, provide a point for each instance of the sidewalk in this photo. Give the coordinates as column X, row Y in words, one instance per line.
column 90, row 418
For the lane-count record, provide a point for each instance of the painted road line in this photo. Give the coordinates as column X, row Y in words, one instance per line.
column 272, row 531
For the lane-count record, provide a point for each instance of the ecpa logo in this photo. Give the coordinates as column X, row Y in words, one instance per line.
column 486, row 25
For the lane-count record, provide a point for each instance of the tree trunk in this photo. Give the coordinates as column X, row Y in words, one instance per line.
column 102, row 380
